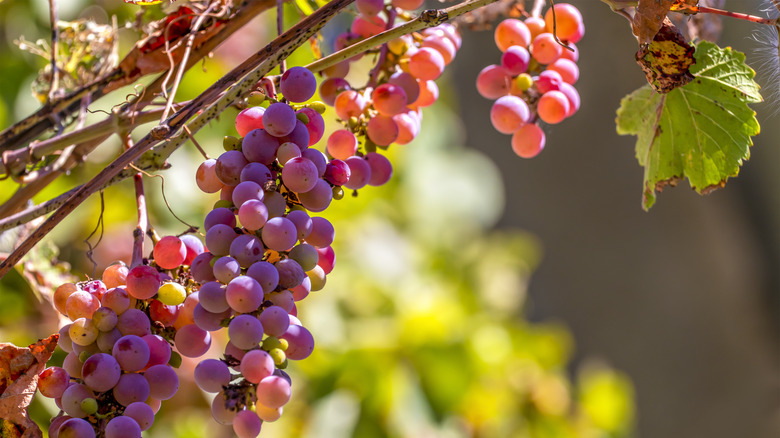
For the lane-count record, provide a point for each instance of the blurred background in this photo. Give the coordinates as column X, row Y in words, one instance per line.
column 479, row 294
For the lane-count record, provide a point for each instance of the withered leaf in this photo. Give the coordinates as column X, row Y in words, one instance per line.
column 19, row 369
column 666, row 61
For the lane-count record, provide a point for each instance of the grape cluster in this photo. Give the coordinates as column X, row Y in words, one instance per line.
column 120, row 363
column 535, row 81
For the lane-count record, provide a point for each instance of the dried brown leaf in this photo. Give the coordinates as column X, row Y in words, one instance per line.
column 19, row 369
column 648, row 18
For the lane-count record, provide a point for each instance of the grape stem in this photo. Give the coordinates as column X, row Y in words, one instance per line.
column 539, row 5
column 427, row 18
column 391, row 14
column 739, row 15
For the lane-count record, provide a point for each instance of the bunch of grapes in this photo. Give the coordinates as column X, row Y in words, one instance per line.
column 535, row 81
column 120, row 363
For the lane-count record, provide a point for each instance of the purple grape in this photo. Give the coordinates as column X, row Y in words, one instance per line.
column 300, row 341
column 360, row 173
column 211, row 375
column 218, row 239
column 260, row 146
column 275, row 320
column 247, row 249
column 408, row 83
column 253, row 215
column 245, row 332
column 101, row 372
column 316, row 157
column 229, row 166
column 279, row 234
column 381, row 169
column 322, row 232
column 194, row 247
column 337, row 172
column 209, row 321
column 142, row 413
column 287, row 151
column 220, row 215
column 75, row 428
column 163, row 381
column 245, row 191
column 247, row 424
column 131, row 352
column 299, row 136
column 220, row 412
column 106, row 340
column 72, row 398
column 265, row 274
column 299, row 175
column 279, row 119
column 275, row 204
column 225, row 269
column 244, row 294
column 256, row 172
column 516, row 59
column 283, row 299
column 318, row 198
column 298, row 84
column 132, row 387
column 290, row 273
column 123, row 427
column 302, row 222
column 201, row 268
column 192, row 341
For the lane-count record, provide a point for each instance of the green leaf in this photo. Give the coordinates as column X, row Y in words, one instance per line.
column 701, row 131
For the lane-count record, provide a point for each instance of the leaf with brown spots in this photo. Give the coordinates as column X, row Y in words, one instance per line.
column 19, row 369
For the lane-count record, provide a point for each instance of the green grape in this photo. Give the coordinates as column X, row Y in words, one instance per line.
column 89, row 405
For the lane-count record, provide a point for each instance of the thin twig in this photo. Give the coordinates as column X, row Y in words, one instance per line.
column 195, row 142
column 258, row 65
column 739, row 15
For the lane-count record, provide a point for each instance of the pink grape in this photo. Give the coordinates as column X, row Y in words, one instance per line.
column 302, row 222
column 194, row 247
column 116, row 299
column 62, row 293
column 342, row 144
column 426, row 64
column 249, row 119
column 53, row 381
column 81, row 304
column 72, row 365
column 508, row 114
column 219, row 215
column 253, row 215
column 259, row 146
column 211, row 375
column 429, row 93
column 163, row 381
column 286, row 152
column 247, row 424
column 159, row 350
column 381, row 169
column 331, row 87
column 336, row 173
column 142, row 413
column 226, row 194
column 408, row 5
column 256, row 365
column 101, row 372
column 245, row 331
column 245, row 191
column 273, row 391
column 265, row 274
column 573, row 96
column 327, row 259
column 322, row 232
column 75, row 428
column 244, row 294
column 493, row 82
column 511, row 32
column 283, row 299
column 338, row 70
column 360, row 173
column 444, row 46
column 548, row 80
column 208, row 321
column 370, row 8
column 279, row 119
column 318, row 198
column 301, row 343
column 408, row 83
column 131, row 353
column 169, row 252
column 219, row 411
column 515, row 60
column 553, row 107
column 528, row 141
column 132, row 387
column 389, row 99
column 192, row 341
column 545, row 49
column 201, row 269
column 229, row 165
column 143, row 282
column 315, row 126
column 163, row 313
column 408, row 128
column 299, row 175
column 382, row 130
column 115, row 275
column 302, row 290
column 298, row 84
column 571, row 55
column 348, row 104
column 279, row 234
column 568, row 70
column 568, row 21
column 206, row 177
column 316, row 157
column 365, row 26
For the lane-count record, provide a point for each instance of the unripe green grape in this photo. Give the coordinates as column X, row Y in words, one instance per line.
column 278, row 356
column 89, row 405
column 82, row 332
column 171, row 294
column 302, row 117
column 283, row 344
column 84, row 355
column 318, row 106
column 230, row 143
column 271, row 342
column 524, row 81
column 255, row 98
column 338, row 193
column 223, row 203
column 175, row 360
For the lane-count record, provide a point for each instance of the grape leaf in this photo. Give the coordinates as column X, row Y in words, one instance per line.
column 701, row 131
column 19, row 369
column 651, row 13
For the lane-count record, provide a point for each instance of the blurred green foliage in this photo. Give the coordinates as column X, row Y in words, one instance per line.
column 420, row 330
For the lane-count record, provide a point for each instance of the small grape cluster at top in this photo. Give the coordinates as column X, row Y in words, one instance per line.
column 535, row 81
